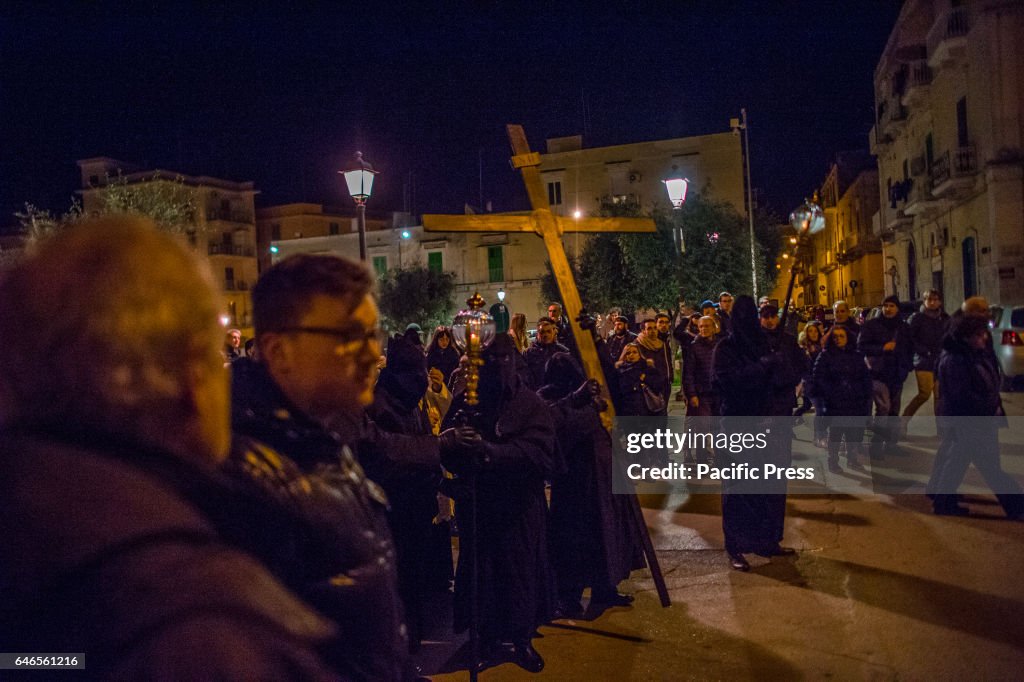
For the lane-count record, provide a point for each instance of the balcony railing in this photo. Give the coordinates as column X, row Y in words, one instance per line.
column 230, row 250
column 919, row 79
column 954, row 169
column 948, row 35
column 235, row 285
column 228, row 215
column 892, row 116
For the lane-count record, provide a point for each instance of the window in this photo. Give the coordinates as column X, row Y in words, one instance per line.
column 496, row 263
column 275, row 233
column 334, row 229
column 435, row 261
column 554, row 193
column 380, row 265
column 970, row 265
column 229, row 279
column 961, row 122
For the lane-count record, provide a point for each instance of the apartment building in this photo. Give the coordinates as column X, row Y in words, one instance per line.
column 224, row 228
column 949, row 138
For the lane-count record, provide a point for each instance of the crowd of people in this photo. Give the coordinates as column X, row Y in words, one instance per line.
column 181, row 505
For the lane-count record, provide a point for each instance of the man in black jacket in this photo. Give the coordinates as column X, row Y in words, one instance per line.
column 619, row 337
column 927, row 328
column 120, row 537
column 298, row 415
column 886, row 346
column 544, row 346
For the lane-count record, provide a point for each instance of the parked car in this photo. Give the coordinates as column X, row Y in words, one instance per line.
column 1008, row 340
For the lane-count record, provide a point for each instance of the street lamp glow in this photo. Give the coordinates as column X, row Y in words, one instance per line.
column 676, row 190
column 359, row 179
column 577, row 214
column 224, row 319
column 406, row 234
column 274, row 249
column 501, row 295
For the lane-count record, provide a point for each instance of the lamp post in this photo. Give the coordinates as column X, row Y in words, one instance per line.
column 359, row 179
column 737, row 125
column 402, row 236
column 807, row 219
column 676, row 188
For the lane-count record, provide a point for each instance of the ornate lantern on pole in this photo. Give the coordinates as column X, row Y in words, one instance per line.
column 807, row 220
column 473, row 329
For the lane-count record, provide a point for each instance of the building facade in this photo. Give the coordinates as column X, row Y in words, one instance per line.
column 580, row 179
column 845, row 259
column 224, row 226
column 949, row 138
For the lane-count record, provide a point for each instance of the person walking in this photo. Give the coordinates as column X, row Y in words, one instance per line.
column 926, row 329
column 886, row 346
column 966, row 365
column 842, row 386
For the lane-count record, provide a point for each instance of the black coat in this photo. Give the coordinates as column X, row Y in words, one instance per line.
column 698, row 367
column 842, row 381
column 120, row 552
column 630, row 379
column 889, row 367
column 592, row 541
column 926, row 331
column 310, row 471
column 536, row 359
column 510, row 536
column 616, row 343
column 970, row 381
column 444, row 359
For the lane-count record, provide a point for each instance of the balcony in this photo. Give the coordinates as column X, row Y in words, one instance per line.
column 235, row 285
column 225, row 215
column 230, row 250
column 877, row 141
column 892, row 116
column 947, row 39
column 919, row 80
column 953, row 172
column 921, row 202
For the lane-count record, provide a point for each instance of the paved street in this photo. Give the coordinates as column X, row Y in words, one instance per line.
column 880, row 589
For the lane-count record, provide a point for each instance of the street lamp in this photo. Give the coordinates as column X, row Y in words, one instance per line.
column 737, row 125
column 359, row 179
column 402, row 236
column 676, row 188
column 807, row 220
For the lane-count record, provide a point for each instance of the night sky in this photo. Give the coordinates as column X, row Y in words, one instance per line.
column 285, row 97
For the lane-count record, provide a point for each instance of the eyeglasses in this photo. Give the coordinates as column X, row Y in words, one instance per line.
column 351, row 340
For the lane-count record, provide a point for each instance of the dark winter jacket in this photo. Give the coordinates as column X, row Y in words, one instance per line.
column 889, row 367
column 536, row 358
column 842, row 381
column 698, row 367
column 970, row 380
column 444, row 359
column 789, row 370
column 124, row 553
column 348, row 567
column 926, row 330
column 631, row 377
column 616, row 343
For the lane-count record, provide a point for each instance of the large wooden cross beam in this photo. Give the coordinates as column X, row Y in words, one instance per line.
column 551, row 227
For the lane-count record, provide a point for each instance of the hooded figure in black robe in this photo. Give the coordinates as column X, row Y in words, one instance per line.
column 592, row 540
column 510, row 465
column 423, row 547
column 751, row 379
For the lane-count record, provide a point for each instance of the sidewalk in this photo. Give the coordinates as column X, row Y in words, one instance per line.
column 880, row 589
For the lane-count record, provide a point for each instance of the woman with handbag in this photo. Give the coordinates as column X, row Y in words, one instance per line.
column 640, row 384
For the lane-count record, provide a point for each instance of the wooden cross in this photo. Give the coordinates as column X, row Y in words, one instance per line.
column 551, row 227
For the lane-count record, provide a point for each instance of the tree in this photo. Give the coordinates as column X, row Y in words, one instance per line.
column 171, row 204
column 636, row 271
column 416, row 294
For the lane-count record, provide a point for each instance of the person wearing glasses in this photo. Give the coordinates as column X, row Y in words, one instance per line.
column 297, row 416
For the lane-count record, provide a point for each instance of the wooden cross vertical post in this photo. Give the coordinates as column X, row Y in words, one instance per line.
column 550, row 227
